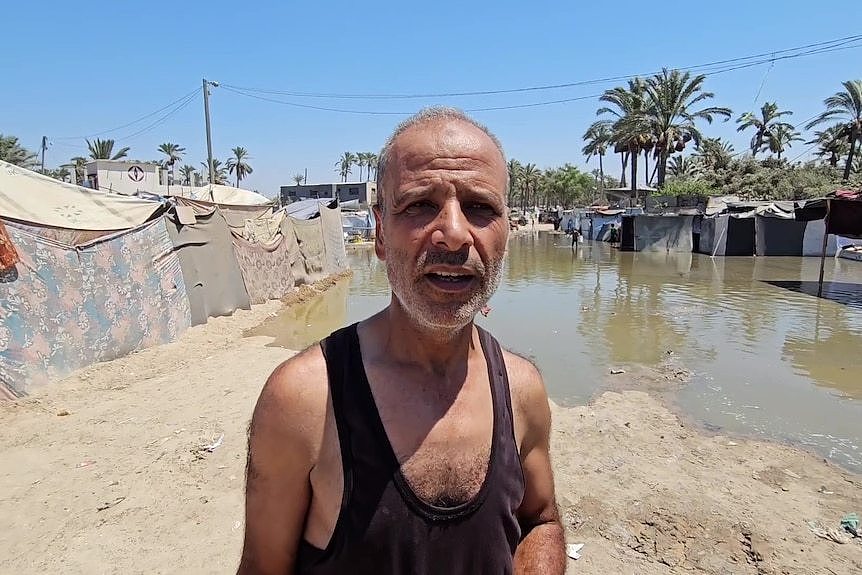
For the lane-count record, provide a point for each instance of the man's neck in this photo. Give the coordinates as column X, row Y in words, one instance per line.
column 431, row 349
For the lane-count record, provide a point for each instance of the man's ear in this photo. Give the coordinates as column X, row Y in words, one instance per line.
column 379, row 243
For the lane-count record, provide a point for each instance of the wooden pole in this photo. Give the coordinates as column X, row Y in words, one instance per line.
column 823, row 251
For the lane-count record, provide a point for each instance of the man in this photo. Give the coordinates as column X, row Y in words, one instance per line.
column 576, row 237
column 410, row 442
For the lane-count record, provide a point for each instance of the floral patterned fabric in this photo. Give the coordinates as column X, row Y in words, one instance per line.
column 66, row 308
column 265, row 268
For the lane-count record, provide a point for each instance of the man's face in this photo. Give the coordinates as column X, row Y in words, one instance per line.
column 443, row 230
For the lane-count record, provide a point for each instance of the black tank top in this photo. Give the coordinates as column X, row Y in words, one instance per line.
column 383, row 526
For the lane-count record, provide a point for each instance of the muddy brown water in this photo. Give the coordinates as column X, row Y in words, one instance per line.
column 768, row 358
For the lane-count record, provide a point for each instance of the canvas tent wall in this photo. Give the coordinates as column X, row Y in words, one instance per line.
column 65, row 307
column 659, row 233
column 228, row 195
column 265, row 267
column 726, row 235
column 32, row 198
column 601, row 222
column 778, row 236
column 203, row 245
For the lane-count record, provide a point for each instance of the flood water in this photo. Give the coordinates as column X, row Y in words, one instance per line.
column 767, row 357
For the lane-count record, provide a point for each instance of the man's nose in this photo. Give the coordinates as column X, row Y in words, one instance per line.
column 452, row 229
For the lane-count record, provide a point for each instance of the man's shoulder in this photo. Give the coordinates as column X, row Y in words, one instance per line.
column 294, row 397
column 523, row 373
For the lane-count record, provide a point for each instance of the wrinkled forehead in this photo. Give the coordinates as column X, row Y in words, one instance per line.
column 439, row 141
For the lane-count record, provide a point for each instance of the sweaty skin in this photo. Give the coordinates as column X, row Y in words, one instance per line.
column 442, row 232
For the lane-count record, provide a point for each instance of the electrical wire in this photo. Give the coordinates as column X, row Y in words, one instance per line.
column 715, row 67
column 163, row 118
column 142, row 118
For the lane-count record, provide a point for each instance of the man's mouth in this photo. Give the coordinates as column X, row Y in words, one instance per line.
column 450, row 281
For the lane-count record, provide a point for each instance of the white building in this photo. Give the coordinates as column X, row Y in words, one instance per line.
column 128, row 177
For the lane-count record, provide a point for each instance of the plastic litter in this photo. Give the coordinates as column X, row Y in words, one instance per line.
column 215, row 445
column 850, row 524
column 835, row 535
column 573, row 550
column 617, row 371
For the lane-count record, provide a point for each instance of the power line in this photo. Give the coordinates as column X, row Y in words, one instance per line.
column 164, row 118
column 715, row 67
column 402, row 113
column 142, row 118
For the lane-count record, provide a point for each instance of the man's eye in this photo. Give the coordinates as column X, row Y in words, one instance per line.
column 480, row 207
column 421, row 205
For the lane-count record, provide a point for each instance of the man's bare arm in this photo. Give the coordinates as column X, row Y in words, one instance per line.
column 542, row 546
column 283, row 444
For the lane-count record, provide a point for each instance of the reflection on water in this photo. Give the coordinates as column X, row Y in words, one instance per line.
column 754, row 346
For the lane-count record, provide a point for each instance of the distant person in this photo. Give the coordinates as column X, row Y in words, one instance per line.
column 570, row 226
column 576, row 237
column 411, row 442
column 614, row 235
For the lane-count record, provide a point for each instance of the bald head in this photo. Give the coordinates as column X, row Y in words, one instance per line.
column 431, row 129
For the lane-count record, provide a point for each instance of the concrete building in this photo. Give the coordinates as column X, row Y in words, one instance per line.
column 364, row 192
column 128, row 177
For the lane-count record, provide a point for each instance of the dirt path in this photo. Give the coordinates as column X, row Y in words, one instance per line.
column 104, row 472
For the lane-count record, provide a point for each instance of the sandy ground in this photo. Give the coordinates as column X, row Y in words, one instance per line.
column 105, row 472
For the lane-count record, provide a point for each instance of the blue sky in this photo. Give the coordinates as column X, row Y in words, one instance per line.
column 70, row 72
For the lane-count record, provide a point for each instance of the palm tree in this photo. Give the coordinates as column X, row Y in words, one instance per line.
column 298, row 178
column 781, row 137
column 14, row 153
column 629, row 130
column 683, row 167
column 714, row 153
column 104, row 150
column 188, row 172
column 173, row 153
column 670, row 96
column 597, row 137
column 371, row 164
column 238, row 164
column 344, row 165
column 846, row 107
column 530, row 176
column 768, row 121
column 219, row 172
column 832, row 144
column 515, row 170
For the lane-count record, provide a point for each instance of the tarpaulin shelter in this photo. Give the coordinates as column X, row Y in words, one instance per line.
column 841, row 215
column 202, row 241
column 651, row 233
column 600, row 222
column 780, row 236
column 228, row 195
column 96, row 278
column 727, row 235
column 67, row 307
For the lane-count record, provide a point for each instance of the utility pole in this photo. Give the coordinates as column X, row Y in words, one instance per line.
column 209, row 134
column 44, row 147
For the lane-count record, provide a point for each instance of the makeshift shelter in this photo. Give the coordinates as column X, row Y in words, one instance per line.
column 66, row 307
column 842, row 215
column 202, row 240
column 600, row 223
column 780, row 236
column 92, row 277
column 727, row 235
column 228, row 195
column 650, row 233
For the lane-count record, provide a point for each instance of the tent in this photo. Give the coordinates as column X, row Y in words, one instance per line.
column 32, row 198
column 64, row 307
column 228, row 195
column 202, row 241
column 649, row 233
column 601, row 220
column 779, row 236
column 727, row 235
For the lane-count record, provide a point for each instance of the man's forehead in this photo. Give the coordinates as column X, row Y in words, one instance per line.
column 441, row 137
